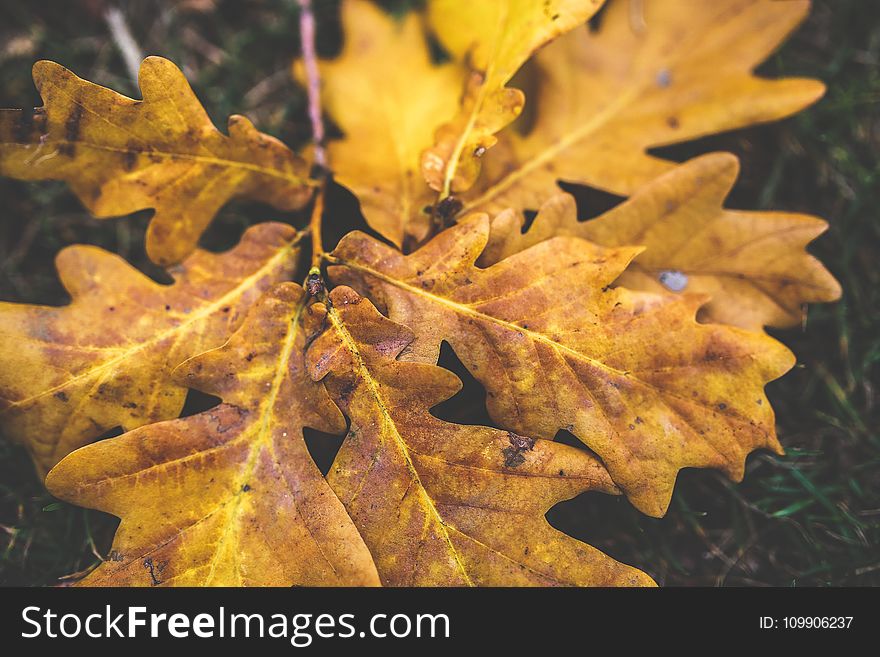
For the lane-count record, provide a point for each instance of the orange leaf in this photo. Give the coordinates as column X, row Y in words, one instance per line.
column 631, row 374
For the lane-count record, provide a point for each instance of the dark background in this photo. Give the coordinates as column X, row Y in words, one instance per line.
column 809, row 518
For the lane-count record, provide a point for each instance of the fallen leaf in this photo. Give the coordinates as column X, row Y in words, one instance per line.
column 442, row 504
column 495, row 38
column 753, row 265
column 605, row 97
column 631, row 374
column 228, row 497
column 388, row 118
column 121, row 155
column 71, row 373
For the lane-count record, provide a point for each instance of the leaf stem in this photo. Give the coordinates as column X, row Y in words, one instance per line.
column 315, row 224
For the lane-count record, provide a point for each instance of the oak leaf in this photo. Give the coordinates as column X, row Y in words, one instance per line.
column 228, row 497
column 388, row 97
column 441, row 504
column 495, row 37
column 121, row 155
column 682, row 71
column 631, row 374
column 753, row 265
column 71, row 373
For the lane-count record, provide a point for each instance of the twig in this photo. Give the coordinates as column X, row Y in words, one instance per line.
column 314, row 283
column 124, row 40
column 310, row 59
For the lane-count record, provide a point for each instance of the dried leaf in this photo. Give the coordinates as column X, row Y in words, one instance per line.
column 228, row 497
column 606, row 97
column 440, row 503
column 388, row 114
column 631, row 374
column 71, row 373
column 495, row 37
column 753, row 265
column 121, row 155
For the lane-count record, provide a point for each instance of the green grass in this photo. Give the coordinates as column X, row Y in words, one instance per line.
column 811, row 517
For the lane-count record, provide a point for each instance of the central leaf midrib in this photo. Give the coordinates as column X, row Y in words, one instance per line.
column 351, row 345
column 537, row 337
column 263, row 437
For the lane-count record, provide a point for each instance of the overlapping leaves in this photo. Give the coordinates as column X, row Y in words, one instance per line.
column 631, row 374
column 436, row 503
column 682, row 71
column 753, row 265
column 229, row 497
column 603, row 97
column 589, row 328
column 440, row 503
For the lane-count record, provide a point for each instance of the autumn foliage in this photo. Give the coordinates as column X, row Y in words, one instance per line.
column 640, row 332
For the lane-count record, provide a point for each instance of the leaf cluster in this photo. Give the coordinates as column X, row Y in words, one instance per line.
column 639, row 332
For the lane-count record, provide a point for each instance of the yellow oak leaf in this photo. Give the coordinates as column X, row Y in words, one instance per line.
column 71, row 373
column 495, row 37
column 631, row 374
column 442, row 504
column 753, row 265
column 682, row 71
column 228, row 497
column 121, row 155
column 388, row 98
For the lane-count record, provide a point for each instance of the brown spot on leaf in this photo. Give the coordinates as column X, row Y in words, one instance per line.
column 72, row 125
column 129, row 160
column 513, row 455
